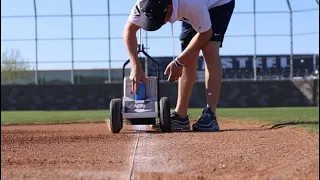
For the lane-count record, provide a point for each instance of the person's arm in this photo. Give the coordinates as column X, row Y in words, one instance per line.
column 131, row 44
column 200, row 19
column 130, row 36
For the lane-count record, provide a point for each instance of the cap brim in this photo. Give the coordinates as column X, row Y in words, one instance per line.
column 152, row 24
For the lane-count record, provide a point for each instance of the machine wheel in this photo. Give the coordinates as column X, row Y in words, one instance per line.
column 116, row 121
column 165, row 123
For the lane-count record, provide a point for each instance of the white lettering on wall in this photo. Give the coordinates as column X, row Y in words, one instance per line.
column 271, row 62
column 284, row 62
column 226, row 62
column 259, row 62
column 242, row 61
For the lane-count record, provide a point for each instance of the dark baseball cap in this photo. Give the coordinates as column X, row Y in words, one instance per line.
column 153, row 13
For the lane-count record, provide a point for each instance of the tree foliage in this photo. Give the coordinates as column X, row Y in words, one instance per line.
column 13, row 66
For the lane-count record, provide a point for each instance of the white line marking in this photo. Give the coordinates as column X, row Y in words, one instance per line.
column 134, row 155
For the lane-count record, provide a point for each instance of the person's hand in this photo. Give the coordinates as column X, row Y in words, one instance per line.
column 174, row 71
column 136, row 76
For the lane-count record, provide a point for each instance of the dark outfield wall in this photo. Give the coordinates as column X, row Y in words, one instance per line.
column 233, row 94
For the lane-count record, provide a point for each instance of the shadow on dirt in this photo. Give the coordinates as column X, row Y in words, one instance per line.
column 280, row 125
column 275, row 126
column 261, row 128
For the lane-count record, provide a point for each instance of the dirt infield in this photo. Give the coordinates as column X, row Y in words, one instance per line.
column 90, row 151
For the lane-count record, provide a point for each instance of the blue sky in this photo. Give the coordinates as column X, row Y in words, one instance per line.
column 56, row 54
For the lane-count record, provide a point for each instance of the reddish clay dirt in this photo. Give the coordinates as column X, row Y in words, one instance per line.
column 90, row 151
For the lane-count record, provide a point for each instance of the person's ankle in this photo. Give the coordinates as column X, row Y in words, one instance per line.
column 211, row 110
column 181, row 114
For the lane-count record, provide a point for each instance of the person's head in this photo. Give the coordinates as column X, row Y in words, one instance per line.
column 154, row 13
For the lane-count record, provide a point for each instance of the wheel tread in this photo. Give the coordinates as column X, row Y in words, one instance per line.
column 115, row 115
column 165, row 124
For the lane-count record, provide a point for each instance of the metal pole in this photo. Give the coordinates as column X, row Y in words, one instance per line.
column 255, row 42
column 146, row 58
column 314, row 62
column 109, row 43
column 36, row 40
column 72, row 44
column 291, row 40
column 140, row 38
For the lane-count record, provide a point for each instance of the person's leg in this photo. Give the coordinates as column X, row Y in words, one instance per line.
column 185, row 84
column 179, row 118
column 220, row 17
column 213, row 73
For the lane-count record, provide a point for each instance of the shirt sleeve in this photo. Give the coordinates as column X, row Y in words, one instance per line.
column 199, row 17
column 134, row 15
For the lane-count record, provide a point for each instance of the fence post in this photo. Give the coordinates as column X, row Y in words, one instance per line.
column 109, row 43
column 72, row 44
column 314, row 62
column 36, row 40
column 291, row 40
column 255, row 42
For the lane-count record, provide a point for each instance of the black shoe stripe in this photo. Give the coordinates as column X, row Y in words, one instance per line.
column 180, row 122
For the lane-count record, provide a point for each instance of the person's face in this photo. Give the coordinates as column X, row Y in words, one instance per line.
column 169, row 13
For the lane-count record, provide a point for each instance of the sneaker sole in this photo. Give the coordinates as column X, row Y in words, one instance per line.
column 180, row 128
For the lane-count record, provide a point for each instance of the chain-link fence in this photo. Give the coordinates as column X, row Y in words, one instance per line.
column 68, row 41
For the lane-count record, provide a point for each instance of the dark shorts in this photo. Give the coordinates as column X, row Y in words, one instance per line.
column 220, row 18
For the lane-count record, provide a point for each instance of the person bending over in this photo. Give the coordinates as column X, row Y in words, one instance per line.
column 204, row 24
